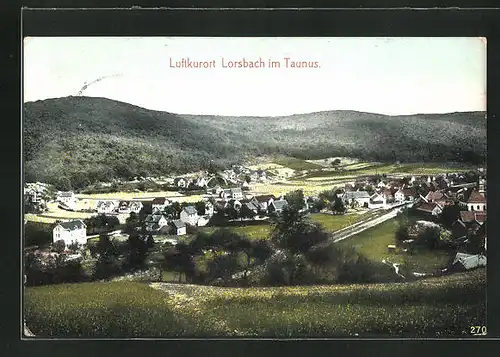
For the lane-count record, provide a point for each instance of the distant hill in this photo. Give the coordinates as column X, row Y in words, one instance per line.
column 74, row 141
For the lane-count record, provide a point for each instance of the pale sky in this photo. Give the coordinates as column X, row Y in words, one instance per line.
column 380, row 75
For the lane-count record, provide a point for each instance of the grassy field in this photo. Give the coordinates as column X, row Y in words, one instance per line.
column 373, row 242
column 282, row 188
column 297, row 164
column 128, row 195
column 334, row 223
column 434, row 307
column 360, row 169
column 330, row 222
column 251, row 231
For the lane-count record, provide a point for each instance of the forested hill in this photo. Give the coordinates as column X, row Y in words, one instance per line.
column 74, row 141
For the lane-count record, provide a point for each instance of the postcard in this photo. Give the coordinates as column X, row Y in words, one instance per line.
column 258, row 187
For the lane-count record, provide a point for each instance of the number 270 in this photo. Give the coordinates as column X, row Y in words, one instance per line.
column 478, row 330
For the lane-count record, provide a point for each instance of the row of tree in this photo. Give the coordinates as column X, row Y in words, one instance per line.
column 111, row 258
column 297, row 251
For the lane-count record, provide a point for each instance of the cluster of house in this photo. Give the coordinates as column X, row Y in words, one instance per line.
column 441, row 191
column 234, row 176
column 156, row 222
column 159, row 224
column 36, row 196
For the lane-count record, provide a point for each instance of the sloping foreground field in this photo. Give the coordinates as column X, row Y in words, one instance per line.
column 445, row 306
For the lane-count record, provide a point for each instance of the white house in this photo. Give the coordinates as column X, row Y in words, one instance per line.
column 189, row 215
column 107, row 206
column 129, row 206
column 277, row 206
column 154, row 222
column 263, row 201
column 201, row 182
column 361, row 198
column 135, row 206
column 405, row 194
column 70, row 232
column 181, row 183
column 234, row 193
column 382, row 184
column 159, row 204
column 377, row 201
column 179, row 227
column 68, row 198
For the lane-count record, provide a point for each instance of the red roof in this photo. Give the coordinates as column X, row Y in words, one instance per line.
column 427, row 207
column 466, row 216
column 480, row 216
column 387, row 192
column 469, row 216
column 434, row 196
column 408, row 192
column 264, row 198
column 476, row 197
column 159, row 200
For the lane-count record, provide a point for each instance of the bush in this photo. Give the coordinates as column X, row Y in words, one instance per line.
column 59, row 246
column 37, row 234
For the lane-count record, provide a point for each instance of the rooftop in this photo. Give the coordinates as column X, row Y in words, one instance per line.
column 476, row 197
column 178, row 223
column 72, row 225
column 190, row 210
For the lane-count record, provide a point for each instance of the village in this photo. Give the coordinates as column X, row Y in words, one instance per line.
column 226, row 197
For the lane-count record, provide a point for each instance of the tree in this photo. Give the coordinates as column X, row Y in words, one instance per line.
column 91, row 224
column 336, row 163
column 221, row 239
column 180, row 259
column 320, row 204
column 74, row 246
column 200, row 207
column 222, row 266
column 132, row 223
column 112, row 222
column 200, row 242
column 445, row 237
column 137, row 251
column 475, row 243
column 449, row 215
column 294, row 234
column 295, row 200
column 231, row 212
column 401, row 233
column 323, row 255
column 36, row 234
column 107, row 264
column 248, row 179
column 429, row 237
column 150, row 242
column 338, row 206
column 59, row 246
column 261, row 250
column 174, row 210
